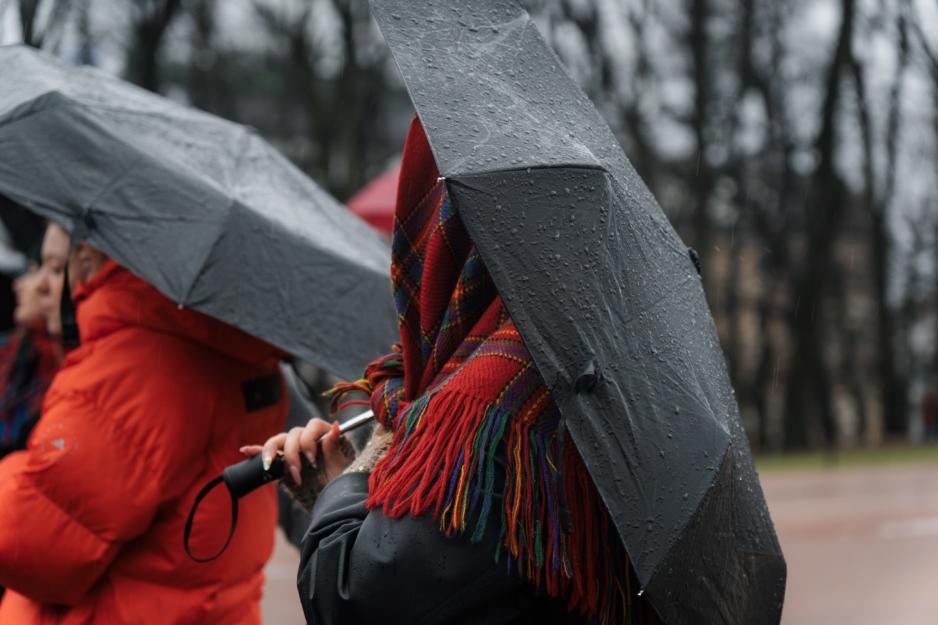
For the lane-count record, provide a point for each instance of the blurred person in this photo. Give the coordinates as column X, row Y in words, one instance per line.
column 54, row 256
column 7, row 304
column 155, row 401
column 929, row 411
column 465, row 506
column 31, row 360
column 11, row 263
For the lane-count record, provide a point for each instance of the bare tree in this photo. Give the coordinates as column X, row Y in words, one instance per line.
column 930, row 52
column 344, row 112
column 361, row 91
column 42, row 21
column 202, row 87
column 643, row 153
column 893, row 385
column 150, row 20
column 699, row 49
column 809, row 393
column 768, row 212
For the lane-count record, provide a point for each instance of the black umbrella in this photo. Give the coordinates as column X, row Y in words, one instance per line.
column 201, row 208
column 606, row 297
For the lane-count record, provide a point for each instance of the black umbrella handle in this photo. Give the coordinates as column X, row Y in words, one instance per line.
column 248, row 475
column 243, row 478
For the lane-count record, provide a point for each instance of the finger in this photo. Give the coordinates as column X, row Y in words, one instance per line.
column 291, row 453
column 312, row 433
column 332, row 452
column 271, row 447
column 251, row 450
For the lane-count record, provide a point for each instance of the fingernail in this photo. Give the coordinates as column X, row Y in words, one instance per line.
column 296, row 475
column 267, row 461
column 311, row 458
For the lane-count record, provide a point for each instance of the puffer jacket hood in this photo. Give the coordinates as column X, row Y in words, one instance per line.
column 130, row 301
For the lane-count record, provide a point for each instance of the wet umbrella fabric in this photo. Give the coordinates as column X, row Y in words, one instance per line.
column 606, row 297
column 201, row 208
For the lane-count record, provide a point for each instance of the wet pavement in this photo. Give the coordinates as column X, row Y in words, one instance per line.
column 281, row 605
column 861, row 545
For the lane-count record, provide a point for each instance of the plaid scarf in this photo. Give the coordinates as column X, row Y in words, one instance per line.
column 28, row 363
column 476, row 432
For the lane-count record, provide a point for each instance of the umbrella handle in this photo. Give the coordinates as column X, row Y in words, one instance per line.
column 245, row 477
column 249, row 475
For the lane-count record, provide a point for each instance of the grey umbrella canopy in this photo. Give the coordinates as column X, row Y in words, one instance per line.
column 606, row 297
column 201, row 208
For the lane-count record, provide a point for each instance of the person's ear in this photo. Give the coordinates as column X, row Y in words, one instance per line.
column 76, row 267
column 88, row 261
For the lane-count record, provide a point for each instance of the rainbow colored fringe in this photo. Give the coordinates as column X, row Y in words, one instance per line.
column 501, row 458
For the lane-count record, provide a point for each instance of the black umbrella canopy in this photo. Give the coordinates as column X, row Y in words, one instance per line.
column 201, row 208
column 606, row 297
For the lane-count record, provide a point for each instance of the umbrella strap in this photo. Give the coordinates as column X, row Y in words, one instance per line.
column 187, row 532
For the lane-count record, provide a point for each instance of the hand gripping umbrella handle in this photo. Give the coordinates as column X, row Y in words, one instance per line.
column 245, row 477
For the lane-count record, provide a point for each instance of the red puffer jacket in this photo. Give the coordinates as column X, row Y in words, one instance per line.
column 149, row 408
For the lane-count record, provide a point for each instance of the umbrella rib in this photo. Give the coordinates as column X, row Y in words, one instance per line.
column 184, row 301
column 676, row 536
column 525, row 168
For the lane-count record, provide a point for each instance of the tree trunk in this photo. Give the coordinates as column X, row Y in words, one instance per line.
column 764, row 385
column 808, row 393
column 643, row 156
column 85, row 36
column 849, row 367
column 148, row 32
column 934, row 85
column 50, row 35
column 770, row 219
column 894, row 387
column 934, row 379
column 28, row 11
column 701, row 175
column 201, row 86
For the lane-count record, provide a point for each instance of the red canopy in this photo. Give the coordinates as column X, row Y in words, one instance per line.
column 376, row 201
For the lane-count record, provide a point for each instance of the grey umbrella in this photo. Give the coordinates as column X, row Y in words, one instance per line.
column 606, row 297
column 203, row 209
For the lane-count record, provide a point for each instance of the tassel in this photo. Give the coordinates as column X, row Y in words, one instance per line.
column 444, row 462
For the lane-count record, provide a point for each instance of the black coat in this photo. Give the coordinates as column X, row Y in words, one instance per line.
column 360, row 567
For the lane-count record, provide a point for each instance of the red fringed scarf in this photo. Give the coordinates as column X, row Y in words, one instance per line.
column 470, row 393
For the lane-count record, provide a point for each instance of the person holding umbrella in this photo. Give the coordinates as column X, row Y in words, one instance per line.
column 564, row 401
column 153, row 400
column 469, row 444
column 202, row 256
